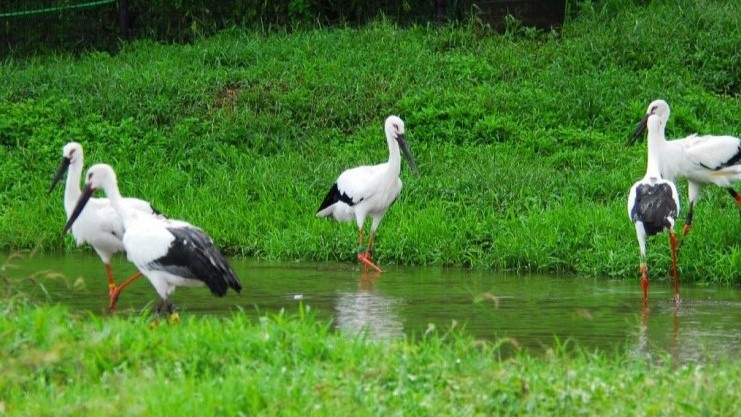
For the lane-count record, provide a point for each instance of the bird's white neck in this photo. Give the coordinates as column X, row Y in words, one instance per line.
column 114, row 196
column 72, row 190
column 656, row 143
column 394, row 165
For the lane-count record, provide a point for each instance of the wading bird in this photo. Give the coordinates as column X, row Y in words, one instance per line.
column 98, row 224
column 653, row 206
column 702, row 160
column 369, row 190
column 170, row 253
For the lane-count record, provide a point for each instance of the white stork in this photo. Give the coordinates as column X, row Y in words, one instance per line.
column 702, row 160
column 369, row 190
column 653, row 206
column 98, row 224
column 170, row 253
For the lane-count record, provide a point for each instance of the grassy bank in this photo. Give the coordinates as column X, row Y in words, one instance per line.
column 519, row 137
column 62, row 363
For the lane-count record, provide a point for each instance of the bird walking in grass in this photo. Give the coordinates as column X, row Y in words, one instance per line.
column 653, row 206
column 702, row 160
column 369, row 190
column 98, row 225
column 170, row 253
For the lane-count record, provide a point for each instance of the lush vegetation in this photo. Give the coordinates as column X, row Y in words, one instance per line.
column 57, row 362
column 519, row 137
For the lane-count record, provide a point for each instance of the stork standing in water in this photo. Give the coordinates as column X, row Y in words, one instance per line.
column 99, row 224
column 170, row 253
column 369, row 190
column 653, row 206
column 702, row 160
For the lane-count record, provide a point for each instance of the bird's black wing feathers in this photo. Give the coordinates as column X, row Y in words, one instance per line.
column 654, row 203
column 334, row 195
column 734, row 160
column 192, row 254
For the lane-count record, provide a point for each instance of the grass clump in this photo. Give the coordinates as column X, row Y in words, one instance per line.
column 519, row 136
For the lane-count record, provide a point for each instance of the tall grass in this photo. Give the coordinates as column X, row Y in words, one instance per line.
column 519, row 136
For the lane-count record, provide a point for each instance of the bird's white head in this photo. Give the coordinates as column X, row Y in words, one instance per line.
column 73, row 152
column 99, row 176
column 658, row 108
column 395, row 132
column 394, row 127
column 71, row 155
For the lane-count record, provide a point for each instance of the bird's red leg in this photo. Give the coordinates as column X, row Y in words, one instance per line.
column 673, row 244
column 361, row 252
column 115, row 292
column 368, row 261
column 688, row 221
column 736, row 196
column 644, row 281
column 687, row 226
column 111, row 281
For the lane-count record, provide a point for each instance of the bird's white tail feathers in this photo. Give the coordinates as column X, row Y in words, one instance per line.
column 732, row 173
column 339, row 211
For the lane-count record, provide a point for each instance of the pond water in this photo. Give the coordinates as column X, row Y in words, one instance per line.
column 530, row 310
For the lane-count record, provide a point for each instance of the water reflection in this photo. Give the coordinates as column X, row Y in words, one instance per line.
column 533, row 311
column 368, row 311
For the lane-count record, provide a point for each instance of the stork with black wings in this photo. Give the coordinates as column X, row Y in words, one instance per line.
column 369, row 190
column 170, row 253
column 702, row 159
column 653, row 206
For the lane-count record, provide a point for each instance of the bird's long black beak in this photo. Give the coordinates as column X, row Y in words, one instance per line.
column 402, row 139
column 60, row 173
column 639, row 130
column 81, row 202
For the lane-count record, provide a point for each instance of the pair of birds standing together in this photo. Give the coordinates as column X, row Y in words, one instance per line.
column 653, row 202
column 173, row 253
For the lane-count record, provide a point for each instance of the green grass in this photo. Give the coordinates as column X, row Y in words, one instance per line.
column 58, row 362
column 519, row 137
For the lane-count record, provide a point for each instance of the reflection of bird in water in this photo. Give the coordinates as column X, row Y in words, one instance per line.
column 369, row 312
column 643, row 347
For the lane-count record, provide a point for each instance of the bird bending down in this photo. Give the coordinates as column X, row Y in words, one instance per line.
column 170, row 253
column 99, row 224
column 653, row 206
column 702, row 160
column 369, row 190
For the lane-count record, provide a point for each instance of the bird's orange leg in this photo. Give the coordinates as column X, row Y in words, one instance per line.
column 361, row 252
column 111, row 281
column 675, row 276
column 688, row 221
column 644, row 281
column 736, row 196
column 368, row 259
column 364, row 256
column 115, row 292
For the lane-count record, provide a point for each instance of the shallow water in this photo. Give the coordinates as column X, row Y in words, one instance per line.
column 531, row 311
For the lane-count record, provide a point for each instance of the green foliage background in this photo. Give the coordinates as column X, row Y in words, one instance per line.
column 519, row 136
